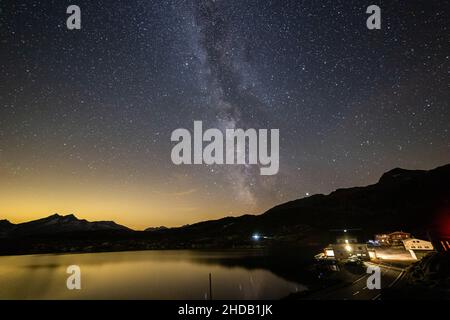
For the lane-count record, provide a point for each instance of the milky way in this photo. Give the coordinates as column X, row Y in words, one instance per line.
column 222, row 52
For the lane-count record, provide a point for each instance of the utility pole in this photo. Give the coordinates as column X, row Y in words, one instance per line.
column 210, row 287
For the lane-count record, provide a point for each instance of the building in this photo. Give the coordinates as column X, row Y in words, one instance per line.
column 392, row 239
column 342, row 251
column 396, row 238
column 346, row 239
column 418, row 248
column 346, row 246
column 382, row 239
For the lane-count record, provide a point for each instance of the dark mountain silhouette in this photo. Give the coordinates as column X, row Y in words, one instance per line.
column 411, row 200
column 417, row 201
column 55, row 224
column 150, row 229
column 5, row 227
column 402, row 199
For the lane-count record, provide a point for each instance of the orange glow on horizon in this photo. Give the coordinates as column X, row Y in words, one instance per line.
column 136, row 205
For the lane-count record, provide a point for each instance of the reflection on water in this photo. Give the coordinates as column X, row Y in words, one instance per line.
column 179, row 274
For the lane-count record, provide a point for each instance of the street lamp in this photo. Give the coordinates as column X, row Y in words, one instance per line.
column 256, row 237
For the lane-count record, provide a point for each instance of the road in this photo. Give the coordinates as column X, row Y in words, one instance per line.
column 358, row 290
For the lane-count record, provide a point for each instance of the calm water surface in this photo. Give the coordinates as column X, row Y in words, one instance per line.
column 179, row 274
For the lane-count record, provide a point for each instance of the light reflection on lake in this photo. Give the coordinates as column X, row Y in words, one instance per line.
column 179, row 274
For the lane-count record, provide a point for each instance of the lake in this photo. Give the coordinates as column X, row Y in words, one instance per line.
column 164, row 274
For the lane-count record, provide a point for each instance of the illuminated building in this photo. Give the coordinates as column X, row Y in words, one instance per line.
column 392, row 239
column 418, row 248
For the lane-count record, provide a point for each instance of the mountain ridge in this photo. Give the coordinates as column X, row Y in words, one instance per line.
column 405, row 199
column 56, row 223
column 412, row 200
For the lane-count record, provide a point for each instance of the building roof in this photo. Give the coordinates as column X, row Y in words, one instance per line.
column 399, row 232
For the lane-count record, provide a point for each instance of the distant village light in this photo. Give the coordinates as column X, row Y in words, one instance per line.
column 256, row 237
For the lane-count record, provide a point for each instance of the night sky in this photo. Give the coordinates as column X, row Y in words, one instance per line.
column 86, row 115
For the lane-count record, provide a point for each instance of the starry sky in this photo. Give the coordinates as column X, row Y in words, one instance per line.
column 86, row 115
